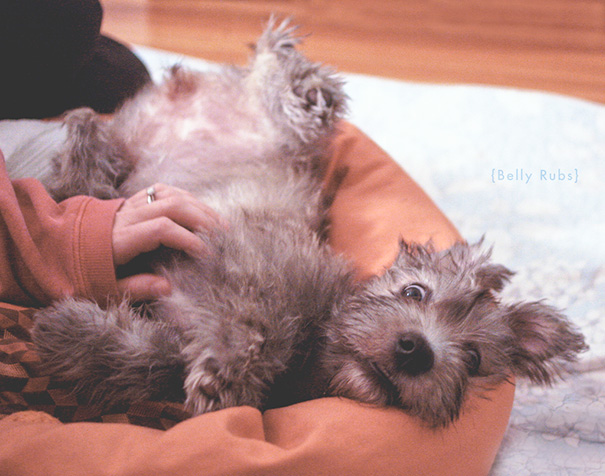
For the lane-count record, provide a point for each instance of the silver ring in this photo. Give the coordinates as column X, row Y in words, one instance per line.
column 151, row 194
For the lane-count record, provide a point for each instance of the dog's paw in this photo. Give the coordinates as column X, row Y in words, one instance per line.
column 210, row 386
column 315, row 93
column 316, row 101
column 202, row 394
column 206, row 390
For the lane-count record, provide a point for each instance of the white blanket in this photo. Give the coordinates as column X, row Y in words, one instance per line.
column 524, row 168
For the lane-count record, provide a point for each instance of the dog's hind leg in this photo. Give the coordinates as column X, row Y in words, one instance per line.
column 114, row 356
column 93, row 162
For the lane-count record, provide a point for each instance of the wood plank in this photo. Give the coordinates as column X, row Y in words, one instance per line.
column 552, row 45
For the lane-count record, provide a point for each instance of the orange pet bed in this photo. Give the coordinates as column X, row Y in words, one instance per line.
column 376, row 204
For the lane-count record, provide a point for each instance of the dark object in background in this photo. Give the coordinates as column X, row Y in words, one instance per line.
column 54, row 59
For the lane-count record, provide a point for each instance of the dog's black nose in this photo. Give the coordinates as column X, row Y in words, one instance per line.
column 413, row 354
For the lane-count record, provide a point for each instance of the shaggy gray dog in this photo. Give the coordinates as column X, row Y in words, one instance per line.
column 271, row 315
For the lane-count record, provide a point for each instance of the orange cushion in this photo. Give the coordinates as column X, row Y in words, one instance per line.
column 376, row 204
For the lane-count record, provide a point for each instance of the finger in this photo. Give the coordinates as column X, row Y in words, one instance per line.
column 133, row 240
column 160, row 191
column 187, row 212
column 175, row 203
column 144, row 287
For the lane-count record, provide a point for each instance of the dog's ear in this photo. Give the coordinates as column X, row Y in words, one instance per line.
column 488, row 275
column 413, row 251
column 493, row 276
column 543, row 341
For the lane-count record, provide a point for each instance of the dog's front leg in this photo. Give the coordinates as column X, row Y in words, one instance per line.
column 94, row 161
column 223, row 373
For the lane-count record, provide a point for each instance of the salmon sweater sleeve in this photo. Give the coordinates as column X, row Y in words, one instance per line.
column 50, row 250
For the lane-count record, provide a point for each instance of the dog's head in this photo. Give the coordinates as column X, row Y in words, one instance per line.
column 432, row 328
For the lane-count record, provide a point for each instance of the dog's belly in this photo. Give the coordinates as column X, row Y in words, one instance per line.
column 188, row 138
column 202, row 157
column 230, row 168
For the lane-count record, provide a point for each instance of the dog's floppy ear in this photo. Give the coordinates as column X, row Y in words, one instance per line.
column 543, row 341
column 488, row 275
column 493, row 276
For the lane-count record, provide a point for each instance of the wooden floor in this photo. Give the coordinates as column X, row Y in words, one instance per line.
column 552, row 45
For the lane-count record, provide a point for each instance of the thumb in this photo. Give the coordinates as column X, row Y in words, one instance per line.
column 143, row 287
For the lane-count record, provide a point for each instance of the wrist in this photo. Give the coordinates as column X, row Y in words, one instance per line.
column 93, row 250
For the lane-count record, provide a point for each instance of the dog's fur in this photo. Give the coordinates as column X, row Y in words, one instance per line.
column 270, row 307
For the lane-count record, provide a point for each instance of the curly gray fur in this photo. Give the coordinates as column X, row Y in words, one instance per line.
column 271, row 315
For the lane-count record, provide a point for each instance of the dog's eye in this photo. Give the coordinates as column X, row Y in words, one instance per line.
column 473, row 361
column 414, row 291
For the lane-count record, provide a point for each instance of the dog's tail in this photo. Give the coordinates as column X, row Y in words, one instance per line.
column 113, row 356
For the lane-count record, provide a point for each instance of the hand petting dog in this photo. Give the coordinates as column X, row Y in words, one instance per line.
column 142, row 225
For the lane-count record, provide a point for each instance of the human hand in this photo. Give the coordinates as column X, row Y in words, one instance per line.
column 169, row 220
